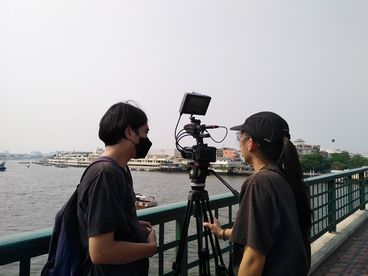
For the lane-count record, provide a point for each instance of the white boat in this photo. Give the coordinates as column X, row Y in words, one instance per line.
column 73, row 159
column 146, row 164
column 143, row 201
column 158, row 162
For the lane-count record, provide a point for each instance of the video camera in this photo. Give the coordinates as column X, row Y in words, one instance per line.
column 196, row 104
column 198, row 200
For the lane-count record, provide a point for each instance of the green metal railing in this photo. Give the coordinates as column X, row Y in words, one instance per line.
column 336, row 196
column 333, row 198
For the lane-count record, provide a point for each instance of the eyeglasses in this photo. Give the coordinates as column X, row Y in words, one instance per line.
column 239, row 135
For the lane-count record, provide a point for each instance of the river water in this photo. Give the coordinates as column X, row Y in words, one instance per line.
column 31, row 196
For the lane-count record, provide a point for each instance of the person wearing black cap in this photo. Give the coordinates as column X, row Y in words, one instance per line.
column 271, row 231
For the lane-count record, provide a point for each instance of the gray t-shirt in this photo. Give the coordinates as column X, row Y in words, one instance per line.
column 267, row 221
column 106, row 203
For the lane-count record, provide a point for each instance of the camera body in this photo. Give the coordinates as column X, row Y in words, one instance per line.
column 200, row 153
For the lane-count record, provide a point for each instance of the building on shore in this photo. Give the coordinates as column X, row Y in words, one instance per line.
column 304, row 148
column 228, row 153
column 228, row 166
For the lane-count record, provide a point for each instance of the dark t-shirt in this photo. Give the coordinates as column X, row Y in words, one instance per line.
column 106, row 203
column 267, row 221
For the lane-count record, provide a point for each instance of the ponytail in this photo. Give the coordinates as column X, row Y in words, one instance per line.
column 289, row 164
column 285, row 155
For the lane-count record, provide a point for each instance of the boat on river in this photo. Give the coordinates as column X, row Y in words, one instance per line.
column 143, row 201
column 2, row 166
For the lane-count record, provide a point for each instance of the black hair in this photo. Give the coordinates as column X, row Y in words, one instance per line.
column 283, row 153
column 117, row 118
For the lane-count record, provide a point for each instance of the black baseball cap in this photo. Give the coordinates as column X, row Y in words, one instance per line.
column 265, row 126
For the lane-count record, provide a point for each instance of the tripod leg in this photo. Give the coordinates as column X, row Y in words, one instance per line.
column 184, row 235
column 203, row 253
column 220, row 268
column 201, row 201
column 215, row 246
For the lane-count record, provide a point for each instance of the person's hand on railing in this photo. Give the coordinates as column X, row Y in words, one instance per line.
column 151, row 240
column 145, row 226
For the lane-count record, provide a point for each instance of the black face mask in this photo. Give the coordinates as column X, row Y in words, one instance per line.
column 142, row 147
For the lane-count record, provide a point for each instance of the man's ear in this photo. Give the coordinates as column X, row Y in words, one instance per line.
column 128, row 132
column 252, row 145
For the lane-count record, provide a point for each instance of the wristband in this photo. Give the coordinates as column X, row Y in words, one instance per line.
column 223, row 234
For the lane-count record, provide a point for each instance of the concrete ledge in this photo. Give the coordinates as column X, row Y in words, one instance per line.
column 323, row 247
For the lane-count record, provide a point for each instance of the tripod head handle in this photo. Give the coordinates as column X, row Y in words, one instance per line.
column 235, row 192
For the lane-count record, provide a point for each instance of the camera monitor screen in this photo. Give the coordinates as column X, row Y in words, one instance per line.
column 194, row 104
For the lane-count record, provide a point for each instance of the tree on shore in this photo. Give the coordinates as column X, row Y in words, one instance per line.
column 357, row 161
column 340, row 161
column 337, row 161
column 315, row 162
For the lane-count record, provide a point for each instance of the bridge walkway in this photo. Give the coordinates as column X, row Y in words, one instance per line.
column 350, row 258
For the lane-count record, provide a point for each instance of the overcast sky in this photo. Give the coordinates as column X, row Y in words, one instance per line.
column 64, row 63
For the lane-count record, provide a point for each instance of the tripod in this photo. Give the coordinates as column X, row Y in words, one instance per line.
column 199, row 200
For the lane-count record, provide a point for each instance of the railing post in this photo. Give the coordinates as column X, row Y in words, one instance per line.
column 230, row 221
column 161, row 241
column 24, row 267
column 361, row 191
column 350, row 193
column 331, row 206
column 179, row 229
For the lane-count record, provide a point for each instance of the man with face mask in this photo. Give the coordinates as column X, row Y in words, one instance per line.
column 114, row 241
